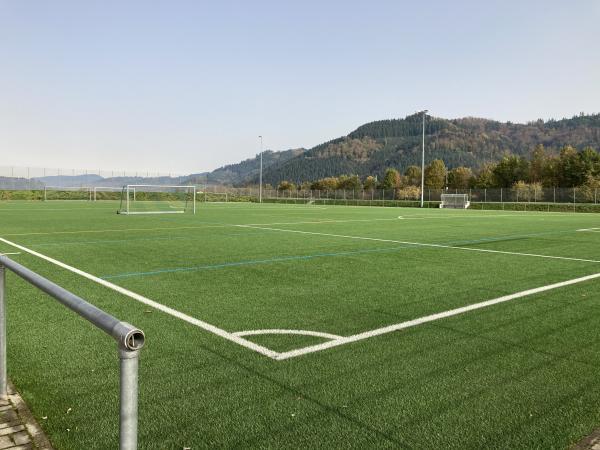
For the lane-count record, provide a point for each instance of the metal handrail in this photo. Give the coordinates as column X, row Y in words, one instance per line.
column 129, row 341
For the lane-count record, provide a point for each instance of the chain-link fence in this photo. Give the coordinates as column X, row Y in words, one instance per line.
column 36, row 183
column 28, row 178
column 497, row 198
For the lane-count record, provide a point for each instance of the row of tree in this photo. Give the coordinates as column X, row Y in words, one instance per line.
column 570, row 168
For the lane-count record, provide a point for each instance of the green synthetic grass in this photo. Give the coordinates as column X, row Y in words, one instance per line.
column 523, row 374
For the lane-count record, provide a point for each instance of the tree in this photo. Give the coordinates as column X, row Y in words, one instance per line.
column 286, row 186
column 351, row 182
column 370, row 183
column 537, row 165
column 413, row 175
column 460, row 178
column 435, row 174
column 326, row 184
column 551, row 172
column 510, row 170
column 590, row 161
column 571, row 168
column 485, row 178
column 391, row 179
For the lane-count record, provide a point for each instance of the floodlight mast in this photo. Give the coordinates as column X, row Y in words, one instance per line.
column 261, row 170
column 424, row 112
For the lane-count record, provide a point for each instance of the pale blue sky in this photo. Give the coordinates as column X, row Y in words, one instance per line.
column 186, row 86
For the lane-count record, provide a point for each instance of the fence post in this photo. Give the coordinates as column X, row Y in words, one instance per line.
column 554, row 195
column 484, row 195
column 3, row 380
column 128, row 423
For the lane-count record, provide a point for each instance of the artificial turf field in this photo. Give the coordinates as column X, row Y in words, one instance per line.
column 327, row 281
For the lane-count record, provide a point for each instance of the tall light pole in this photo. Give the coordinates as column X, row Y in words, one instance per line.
column 424, row 112
column 260, row 176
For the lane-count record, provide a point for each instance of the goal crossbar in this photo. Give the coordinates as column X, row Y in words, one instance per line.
column 126, row 199
column 459, row 201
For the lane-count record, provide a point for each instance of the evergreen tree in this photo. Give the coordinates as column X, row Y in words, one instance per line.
column 510, row 170
column 537, row 164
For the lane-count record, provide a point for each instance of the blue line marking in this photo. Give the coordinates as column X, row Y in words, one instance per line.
column 319, row 255
column 253, row 261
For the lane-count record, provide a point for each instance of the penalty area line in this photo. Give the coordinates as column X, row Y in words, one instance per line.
column 430, row 318
column 158, row 306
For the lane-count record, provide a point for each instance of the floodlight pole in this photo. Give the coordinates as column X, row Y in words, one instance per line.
column 423, row 160
column 261, row 170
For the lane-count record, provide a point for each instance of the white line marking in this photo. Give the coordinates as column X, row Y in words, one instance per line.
column 299, row 332
column 146, row 301
column 430, row 318
column 316, row 222
column 44, row 233
column 590, row 230
column 421, row 244
column 10, row 253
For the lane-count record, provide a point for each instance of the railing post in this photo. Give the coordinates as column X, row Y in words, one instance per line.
column 128, row 421
column 3, row 391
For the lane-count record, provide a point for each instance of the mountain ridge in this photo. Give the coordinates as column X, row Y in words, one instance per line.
column 469, row 141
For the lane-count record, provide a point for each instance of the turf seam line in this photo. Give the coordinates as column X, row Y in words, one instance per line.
column 429, row 318
column 422, row 244
column 159, row 306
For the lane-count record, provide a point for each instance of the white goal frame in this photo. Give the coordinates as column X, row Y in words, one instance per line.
column 462, row 203
column 206, row 194
column 133, row 187
column 97, row 189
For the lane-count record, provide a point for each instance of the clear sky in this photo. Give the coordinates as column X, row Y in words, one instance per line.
column 186, row 86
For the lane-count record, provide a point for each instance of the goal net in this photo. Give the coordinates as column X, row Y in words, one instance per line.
column 157, row 199
column 459, row 201
column 106, row 193
column 215, row 197
column 66, row 193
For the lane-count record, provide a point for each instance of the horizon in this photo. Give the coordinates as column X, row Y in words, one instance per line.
column 150, row 174
column 174, row 85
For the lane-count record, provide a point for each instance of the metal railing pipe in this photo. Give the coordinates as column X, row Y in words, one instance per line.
column 3, row 376
column 129, row 340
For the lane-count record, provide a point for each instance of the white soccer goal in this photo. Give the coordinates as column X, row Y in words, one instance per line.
column 67, row 193
column 157, row 199
column 106, row 193
column 459, row 201
column 215, row 197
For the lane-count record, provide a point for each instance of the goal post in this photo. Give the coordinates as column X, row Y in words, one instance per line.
column 157, row 199
column 456, row 201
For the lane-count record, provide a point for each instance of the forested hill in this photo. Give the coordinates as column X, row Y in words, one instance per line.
column 375, row 146
column 245, row 171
